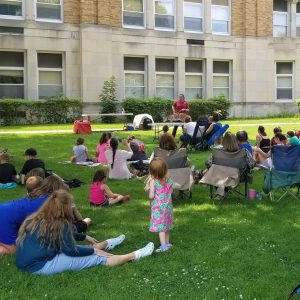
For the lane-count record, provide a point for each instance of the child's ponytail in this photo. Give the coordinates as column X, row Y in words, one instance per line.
column 114, row 146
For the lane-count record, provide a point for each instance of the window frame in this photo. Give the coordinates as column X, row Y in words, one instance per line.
column 11, row 17
column 229, row 75
column 285, row 26
column 133, row 26
column 174, row 15
column 285, row 76
column 15, row 69
column 202, row 16
column 50, row 70
column 196, row 74
column 228, row 21
column 135, row 72
column 49, row 20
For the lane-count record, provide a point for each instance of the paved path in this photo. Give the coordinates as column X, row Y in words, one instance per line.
column 118, row 129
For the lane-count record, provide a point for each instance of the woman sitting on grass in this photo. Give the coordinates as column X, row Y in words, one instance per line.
column 101, row 194
column 262, row 140
column 46, row 243
column 13, row 213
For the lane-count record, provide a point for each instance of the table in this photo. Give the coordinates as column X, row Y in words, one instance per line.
column 98, row 116
column 158, row 125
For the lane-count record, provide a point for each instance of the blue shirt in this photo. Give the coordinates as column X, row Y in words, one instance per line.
column 12, row 215
column 247, row 146
column 31, row 256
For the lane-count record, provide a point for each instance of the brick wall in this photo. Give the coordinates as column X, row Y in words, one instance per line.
column 252, row 17
column 104, row 12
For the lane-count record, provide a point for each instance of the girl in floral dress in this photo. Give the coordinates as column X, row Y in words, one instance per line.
column 160, row 192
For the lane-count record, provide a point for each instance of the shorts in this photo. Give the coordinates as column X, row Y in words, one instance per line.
column 105, row 203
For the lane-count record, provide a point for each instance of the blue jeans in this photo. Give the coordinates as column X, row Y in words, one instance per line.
column 62, row 262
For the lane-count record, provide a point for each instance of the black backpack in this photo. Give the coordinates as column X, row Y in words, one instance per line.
column 146, row 123
column 73, row 183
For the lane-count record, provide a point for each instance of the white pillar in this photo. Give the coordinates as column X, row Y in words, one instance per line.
column 292, row 23
column 31, row 78
column 179, row 15
column 151, row 86
column 209, row 78
column 180, row 76
column 149, row 13
column 207, row 16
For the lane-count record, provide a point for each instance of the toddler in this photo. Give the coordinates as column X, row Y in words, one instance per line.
column 100, row 193
column 160, row 192
column 80, row 152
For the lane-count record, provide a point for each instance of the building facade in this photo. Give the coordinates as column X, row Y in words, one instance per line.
column 248, row 50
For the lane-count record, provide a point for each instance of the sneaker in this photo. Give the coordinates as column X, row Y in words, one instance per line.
column 143, row 252
column 112, row 243
column 126, row 197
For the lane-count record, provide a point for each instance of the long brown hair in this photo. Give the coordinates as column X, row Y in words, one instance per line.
column 50, row 220
column 114, row 144
column 167, row 142
column 49, row 185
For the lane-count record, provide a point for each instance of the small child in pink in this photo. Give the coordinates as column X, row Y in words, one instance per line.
column 160, row 193
column 102, row 147
column 100, row 193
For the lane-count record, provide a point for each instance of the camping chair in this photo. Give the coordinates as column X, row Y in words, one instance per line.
column 285, row 173
column 219, row 132
column 197, row 141
column 228, row 170
column 181, row 174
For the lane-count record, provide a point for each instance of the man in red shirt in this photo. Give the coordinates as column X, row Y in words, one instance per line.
column 180, row 109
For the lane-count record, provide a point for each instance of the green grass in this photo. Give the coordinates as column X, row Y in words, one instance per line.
column 233, row 251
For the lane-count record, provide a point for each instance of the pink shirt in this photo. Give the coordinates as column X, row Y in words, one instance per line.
column 97, row 194
column 101, row 152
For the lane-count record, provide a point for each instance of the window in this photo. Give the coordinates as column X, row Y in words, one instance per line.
column 298, row 20
column 221, row 78
column 220, row 16
column 165, row 78
column 284, row 80
column 280, row 18
column 133, row 13
column 50, row 75
column 49, row 10
column 193, row 19
column 11, row 74
column 164, row 14
column 134, row 69
column 193, row 79
column 11, row 9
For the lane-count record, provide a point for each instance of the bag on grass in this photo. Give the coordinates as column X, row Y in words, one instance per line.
column 73, row 183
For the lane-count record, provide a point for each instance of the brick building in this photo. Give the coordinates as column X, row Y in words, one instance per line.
column 248, row 50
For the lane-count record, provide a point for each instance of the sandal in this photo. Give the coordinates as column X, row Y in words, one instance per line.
column 163, row 248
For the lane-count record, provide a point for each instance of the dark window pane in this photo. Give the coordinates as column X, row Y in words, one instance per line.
column 193, row 66
column 49, row 60
column 46, row 11
column 11, row 9
column 11, row 76
column 280, row 5
column 221, row 67
column 284, row 94
column 134, row 64
column 165, row 65
column 133, row 19
column 12, row 91
column 298, row 7
column 163, row 21
column 49, row 91
column 284, row 68
column 11, row 59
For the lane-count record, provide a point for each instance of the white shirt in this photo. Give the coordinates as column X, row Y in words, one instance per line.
column 190, row 127
column 120, row 169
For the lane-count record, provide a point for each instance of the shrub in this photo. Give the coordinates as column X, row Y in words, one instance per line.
column 159, row 109
column 52, row 110
column 108, row 100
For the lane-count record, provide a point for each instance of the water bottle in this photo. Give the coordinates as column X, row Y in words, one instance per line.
column 259, row 196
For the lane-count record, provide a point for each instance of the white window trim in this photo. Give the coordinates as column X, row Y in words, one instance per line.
column 134, row 86
column 163, row 28
column 229, row 75
column 46, row 20
column 8, row 17
column 202, row 17
column 297, row 25
column 287, row 23
column 229, row 20
column 285, row 75
column 132, row 26
column 50, row 70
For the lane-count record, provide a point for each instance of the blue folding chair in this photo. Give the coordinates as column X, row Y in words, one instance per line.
column 219, row 132
column 285, row 172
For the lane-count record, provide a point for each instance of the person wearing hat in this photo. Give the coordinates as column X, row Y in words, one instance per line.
column 31, row 163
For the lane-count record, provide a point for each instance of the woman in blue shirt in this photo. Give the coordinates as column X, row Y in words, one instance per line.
column 46, row 242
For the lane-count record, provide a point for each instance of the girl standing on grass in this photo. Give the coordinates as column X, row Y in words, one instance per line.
column 101, row 194
column 102, row 147
column 160, row 192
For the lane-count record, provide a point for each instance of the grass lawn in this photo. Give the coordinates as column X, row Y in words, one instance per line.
column 232, row 251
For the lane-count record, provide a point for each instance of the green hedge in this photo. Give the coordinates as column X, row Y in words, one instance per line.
column 159, row 109
column 54, row 110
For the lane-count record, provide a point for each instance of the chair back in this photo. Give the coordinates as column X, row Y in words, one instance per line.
column 219, row 132
column 236, row 159
column 175, row 159
column 286, row 158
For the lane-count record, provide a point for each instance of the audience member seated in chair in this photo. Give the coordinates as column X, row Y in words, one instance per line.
column 213, row 127
column 188, row 131
column 228, row 166
column 242, row 138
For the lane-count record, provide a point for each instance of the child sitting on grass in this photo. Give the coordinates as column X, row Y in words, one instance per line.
column 160, row 192
column 100, row 193
column 8, row 173
column 102, row 147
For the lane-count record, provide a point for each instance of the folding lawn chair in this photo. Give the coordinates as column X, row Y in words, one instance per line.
column 180, row 173
column 197, row 141
column 228, row 170
column 285, row 173
column 219, row 132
